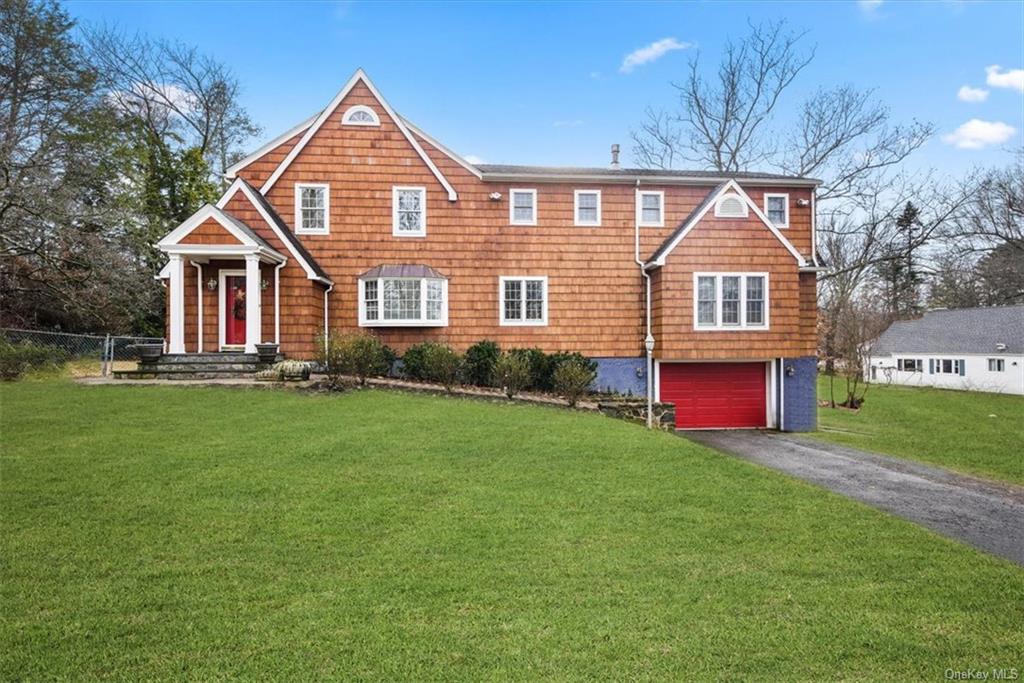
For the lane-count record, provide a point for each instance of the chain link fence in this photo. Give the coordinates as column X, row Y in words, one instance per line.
column 85, row 354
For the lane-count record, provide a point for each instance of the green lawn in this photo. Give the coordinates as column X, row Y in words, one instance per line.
column 168, row 532
column 969, row 431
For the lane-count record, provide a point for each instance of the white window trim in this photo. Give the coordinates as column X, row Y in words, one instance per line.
column 524, row 322
column 395, row 189
column 919, row 363
column 576, row 209
column 731, row 195
column 785, row 199
column 997, row 362
column 421, row 322
column 742, row 326
column 954, row 363
column 512, row 191
column 299, row 229
column 346, row 119
column 640, row 209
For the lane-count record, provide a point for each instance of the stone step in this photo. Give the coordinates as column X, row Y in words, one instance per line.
column 186, row 358
column 212, row 366
column 182, row 374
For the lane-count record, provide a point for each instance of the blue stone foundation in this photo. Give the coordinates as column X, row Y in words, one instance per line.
column 800, row 395
column 621, row 375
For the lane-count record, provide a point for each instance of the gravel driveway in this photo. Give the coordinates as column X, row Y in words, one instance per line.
column 985, row 514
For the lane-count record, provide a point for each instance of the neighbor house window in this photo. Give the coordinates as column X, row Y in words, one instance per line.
column 312, row 208
column 522, row 207
column 947, row 366
column 403, row 302
column 730, row 301
column 524, row 300
column 909, row 364
column 649, row 209
column 776, row 207
column 360, row 115
column 409, row 205
column 588, row 207
column 996, row 365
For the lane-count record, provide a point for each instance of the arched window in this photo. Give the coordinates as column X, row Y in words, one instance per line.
column 360, row 115
column 730, row 206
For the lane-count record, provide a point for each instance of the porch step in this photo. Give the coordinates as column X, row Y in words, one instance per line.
column 212, row 366
column 182, row 373
column 197, row 366
column 228, row 357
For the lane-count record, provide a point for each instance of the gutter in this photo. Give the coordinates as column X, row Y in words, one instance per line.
column 651, row 180
column 649, row 338
column 326, row 293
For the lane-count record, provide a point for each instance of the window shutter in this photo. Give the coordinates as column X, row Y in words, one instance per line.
column 931, row 366
column 963, row 367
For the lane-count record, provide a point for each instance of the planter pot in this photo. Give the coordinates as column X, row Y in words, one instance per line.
column 267, row 352
column 149, row 353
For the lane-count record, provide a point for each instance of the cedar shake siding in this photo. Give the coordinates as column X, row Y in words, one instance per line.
column 595, row 289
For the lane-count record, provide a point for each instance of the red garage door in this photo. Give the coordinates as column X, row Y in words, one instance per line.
column 715, row 395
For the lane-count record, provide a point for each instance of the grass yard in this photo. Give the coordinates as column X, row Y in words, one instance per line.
column 972, row 432
column 168, row 532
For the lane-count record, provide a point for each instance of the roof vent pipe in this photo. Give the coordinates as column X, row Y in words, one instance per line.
column 615, row 158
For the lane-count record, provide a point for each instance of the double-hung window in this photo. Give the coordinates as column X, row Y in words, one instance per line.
column 409, row 211
column 947, row 366
column 776, row 208
column 996, row 365
column 403, row 302
column 650, row 211
column 730, row 301
column 312, row 208
column 909, row 364
column 522, row 207
column 523, row 300
column 588, row 207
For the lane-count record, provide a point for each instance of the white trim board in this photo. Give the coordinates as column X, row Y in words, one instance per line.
column 359, row 75
column 441, row 148
column 730, row 186
column 231, row 171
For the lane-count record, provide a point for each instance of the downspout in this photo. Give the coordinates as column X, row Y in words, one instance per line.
column 277, row 303
column 326, row 292
column 649, row 339
column 199, row 304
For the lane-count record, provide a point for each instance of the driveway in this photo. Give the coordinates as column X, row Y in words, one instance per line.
column 985, row 514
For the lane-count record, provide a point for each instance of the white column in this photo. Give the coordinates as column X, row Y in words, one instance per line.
column 177, row 305
column 253, row 305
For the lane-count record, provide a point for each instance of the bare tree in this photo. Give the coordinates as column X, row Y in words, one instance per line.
column 720, row 124
column 180, row 94
column 995, row 214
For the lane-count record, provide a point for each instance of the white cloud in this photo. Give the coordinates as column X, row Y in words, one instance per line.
column 473, row 159
column 568, row 124
column 968, row 94
column 997, row 78
column 978, row 134
column 650, row 53
column 869, row 7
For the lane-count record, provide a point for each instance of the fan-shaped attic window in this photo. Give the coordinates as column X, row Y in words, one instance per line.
column 730, row 206
column 360, row 115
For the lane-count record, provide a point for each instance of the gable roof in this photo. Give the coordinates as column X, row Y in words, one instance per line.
column 231, row 171
column 960, row 330
column 672, row 241
column 280, row 228
column 358, row 76
column 629, row 175
column 239, row 230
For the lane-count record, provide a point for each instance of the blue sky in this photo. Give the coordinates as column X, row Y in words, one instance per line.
column 536, row 83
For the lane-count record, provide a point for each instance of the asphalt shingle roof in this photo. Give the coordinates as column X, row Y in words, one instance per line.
column 288, row 234
column 961, row 330
column 685, row 223
column 569, row 171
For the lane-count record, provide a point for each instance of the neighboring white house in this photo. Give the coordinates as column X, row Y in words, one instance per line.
column 975, row 349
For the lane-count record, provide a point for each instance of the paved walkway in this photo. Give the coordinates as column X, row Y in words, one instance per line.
column 988, row 515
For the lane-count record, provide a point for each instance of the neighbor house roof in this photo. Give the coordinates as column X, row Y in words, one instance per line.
column 597, row 174
column 961, row 330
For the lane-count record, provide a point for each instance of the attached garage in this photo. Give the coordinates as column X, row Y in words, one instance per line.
column 716, row 395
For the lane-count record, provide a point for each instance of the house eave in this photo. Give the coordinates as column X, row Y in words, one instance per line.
column 632, row 179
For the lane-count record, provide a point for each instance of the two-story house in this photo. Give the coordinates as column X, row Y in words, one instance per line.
column 697, row 288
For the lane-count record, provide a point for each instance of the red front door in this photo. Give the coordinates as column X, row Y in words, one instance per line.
column 234, row 310
column 715, row 395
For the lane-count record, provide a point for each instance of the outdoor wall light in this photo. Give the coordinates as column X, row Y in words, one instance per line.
column 790, row 371
column 211, row 284
column 494, row 196
column 639, row 372
column 264, row 284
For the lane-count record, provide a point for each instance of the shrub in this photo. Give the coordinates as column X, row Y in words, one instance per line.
column 512, row 373
column 573, row 377
column 329, row 358
column 557, row 359
column 363, row 355
column 16, row 359
column 414, row 360
column 478, row 363
column 442, row 365
column 539, row 368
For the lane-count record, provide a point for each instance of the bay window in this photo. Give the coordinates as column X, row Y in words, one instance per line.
column 403, row 302
column 730, row 301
